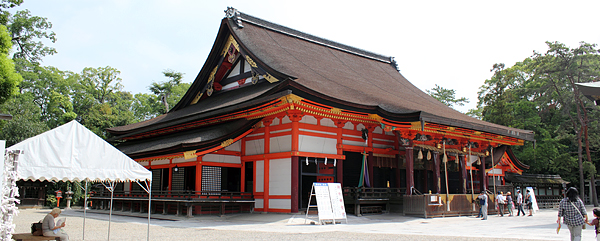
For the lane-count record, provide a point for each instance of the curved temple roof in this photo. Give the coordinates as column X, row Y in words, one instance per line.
column 312, row 67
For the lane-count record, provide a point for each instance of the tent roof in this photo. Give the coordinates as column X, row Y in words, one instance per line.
column 71, row 152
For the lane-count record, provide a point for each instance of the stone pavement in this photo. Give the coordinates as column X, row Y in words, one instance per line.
column 541, row 226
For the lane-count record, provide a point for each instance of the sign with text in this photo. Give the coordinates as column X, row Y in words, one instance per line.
column 330, row 200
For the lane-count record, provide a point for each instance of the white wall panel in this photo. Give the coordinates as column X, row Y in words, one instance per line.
column 255, row 147
column 236, row 146
column 321, row 132
column 308, row 119
column 317, row 144
column 378, row 130
column 359, row 127
column 327, row 122
column 221, row 158
column 258, row 203
column 286, row 120
column 182, row 160
column 354, row 143
column 280, row 203
column 260, row 176
column 280, row 180
column 349, row 126
column 144, row 163
column 280, row 144
column 276, row 121
column 161, row 162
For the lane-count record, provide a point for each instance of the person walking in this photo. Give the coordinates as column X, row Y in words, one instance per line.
column 500, row 203
column 509, row 203
column 483, row 200
column 520, row 203
column 572, row 210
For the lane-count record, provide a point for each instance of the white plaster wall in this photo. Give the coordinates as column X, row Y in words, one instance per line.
column 144, row 163
column 276, row 121
column 258, row 203
column 308, row 119
column 260, row 176
column 378, row 130
column 349, row 126
column 235, row 71
column 327, row 122
column 353, row 143
column 127, row 187
column 161, row 162
column 221, row 158
column 280, row 203
column 389, row 133
column 182, row 160
column 286, row 120
column 389, row 143
column 246, row 67
column 280, row 144
column 359, row 127
column 236, row 146
column 317, row 144
column 255, row 147
column 280, row 180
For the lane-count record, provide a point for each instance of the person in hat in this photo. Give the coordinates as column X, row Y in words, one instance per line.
column 483, row 200
column 509, row 203
column 520, row 203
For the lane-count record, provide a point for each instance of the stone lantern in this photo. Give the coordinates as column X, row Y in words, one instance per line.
column 69, row 194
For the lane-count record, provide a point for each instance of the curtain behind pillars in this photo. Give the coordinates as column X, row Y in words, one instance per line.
column 463, row 174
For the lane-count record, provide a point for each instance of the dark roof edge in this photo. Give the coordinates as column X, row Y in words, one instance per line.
column 516, row 161
column 311, row 38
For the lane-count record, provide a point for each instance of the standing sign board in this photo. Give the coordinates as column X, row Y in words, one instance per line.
column 330, row 201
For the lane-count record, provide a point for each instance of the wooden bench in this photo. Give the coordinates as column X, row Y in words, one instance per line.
column 29, row 237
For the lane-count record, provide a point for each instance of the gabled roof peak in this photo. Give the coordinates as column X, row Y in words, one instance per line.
column 238, row 17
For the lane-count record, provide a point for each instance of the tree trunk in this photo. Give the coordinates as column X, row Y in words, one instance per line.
column 579, row 159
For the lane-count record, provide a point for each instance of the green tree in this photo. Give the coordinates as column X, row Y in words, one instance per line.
column 446, row 96
column 9, row 78
column 26, row 120
column 164, row 89
column 146, row 106
column 26, row 31
column 4, row 13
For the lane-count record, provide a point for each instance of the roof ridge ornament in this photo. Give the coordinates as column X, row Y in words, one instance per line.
column 234, row 14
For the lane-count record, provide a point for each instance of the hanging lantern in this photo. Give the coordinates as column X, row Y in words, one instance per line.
column 420, row 155
column 307, row 161
column 439, row 146
column 429, row 155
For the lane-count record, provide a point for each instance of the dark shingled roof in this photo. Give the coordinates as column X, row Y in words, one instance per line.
column 348, row 76
column 534, row 178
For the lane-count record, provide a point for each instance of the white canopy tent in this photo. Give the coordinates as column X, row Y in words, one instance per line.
column 71, row 152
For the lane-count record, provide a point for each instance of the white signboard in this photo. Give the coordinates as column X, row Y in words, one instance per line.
column 2, row 145
column 337, row 200
column 330, row 201
column 323, row 200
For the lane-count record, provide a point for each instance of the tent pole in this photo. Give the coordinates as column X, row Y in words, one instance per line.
column 84, row 208
column 149, row 185
column 112, row 189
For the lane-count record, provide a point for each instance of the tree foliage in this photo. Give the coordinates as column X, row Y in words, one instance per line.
column 446, row 96
column 9, row 78
column 539, row 94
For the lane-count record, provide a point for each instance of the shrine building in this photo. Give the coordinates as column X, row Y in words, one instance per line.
column 274, row 109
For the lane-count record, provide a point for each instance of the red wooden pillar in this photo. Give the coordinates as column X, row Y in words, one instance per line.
column 340, row 151
column 295, row 184
column 199, row 173
column 410, row 172
column 463, row 173
column 267, row 143
column 437, row 179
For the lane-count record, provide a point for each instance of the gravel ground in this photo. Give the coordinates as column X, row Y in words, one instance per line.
column 257, row 226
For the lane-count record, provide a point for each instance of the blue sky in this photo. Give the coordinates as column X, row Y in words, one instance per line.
column 450, row 43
